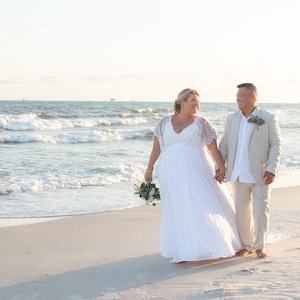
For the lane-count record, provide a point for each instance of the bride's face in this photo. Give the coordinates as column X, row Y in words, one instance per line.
column 191, row 104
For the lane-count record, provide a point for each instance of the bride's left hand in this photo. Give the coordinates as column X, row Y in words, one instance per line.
column 220, row 175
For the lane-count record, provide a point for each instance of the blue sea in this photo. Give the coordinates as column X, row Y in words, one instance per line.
column 62, row 158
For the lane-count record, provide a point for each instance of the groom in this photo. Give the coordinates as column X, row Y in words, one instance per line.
column 251, row 148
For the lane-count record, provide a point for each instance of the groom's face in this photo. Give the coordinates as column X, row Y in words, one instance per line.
column 245, row 99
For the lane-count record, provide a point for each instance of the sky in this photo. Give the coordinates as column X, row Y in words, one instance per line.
column 148, row 50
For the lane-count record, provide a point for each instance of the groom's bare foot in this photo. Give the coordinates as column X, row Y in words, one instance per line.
column 243, row 252
column 261, row 254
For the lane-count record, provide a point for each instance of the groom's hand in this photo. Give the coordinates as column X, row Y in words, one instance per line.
column 268, row 178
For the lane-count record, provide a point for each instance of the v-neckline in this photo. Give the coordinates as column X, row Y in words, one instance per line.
column 183, row 128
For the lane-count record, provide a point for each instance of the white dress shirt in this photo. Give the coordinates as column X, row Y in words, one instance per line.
column 241, row 170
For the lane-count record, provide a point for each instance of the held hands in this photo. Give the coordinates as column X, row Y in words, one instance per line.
column 220, row 175
column 268, row 178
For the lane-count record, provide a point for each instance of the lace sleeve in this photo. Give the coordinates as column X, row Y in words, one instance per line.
column 158, row 131
column 208, row 131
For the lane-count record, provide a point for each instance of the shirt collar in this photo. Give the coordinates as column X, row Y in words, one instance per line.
column 253, row 113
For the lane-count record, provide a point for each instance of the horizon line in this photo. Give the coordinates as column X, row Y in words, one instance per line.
column 117, row 100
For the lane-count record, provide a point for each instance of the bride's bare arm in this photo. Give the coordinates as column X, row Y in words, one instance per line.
column 153, row 158
column 217, row 157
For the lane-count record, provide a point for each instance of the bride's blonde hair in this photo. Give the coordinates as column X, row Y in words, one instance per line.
column 183, row 95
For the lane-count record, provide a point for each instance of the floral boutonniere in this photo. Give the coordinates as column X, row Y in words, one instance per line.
column 148, row 191
column 256, row 120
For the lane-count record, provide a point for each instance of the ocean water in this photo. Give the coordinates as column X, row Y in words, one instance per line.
column 61, row 158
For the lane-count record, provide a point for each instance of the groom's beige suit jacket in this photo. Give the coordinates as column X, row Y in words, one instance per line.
column 264, row 145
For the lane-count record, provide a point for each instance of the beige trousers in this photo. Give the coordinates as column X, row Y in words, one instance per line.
column 252, row 204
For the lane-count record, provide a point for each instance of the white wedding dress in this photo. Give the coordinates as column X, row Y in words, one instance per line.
column 198, row 220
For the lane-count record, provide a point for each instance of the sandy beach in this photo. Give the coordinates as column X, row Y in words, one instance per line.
column 115, row 255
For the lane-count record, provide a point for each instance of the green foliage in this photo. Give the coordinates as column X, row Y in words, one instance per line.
column 147, row 191
column 256, row 120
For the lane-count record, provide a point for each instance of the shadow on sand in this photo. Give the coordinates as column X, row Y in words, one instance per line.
column 91, row 282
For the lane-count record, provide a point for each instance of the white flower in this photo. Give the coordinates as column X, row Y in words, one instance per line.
column 148, row 191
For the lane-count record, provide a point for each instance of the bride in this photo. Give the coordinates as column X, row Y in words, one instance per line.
column 198, row 220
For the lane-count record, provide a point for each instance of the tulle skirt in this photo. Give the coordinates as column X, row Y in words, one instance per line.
column 198, row 220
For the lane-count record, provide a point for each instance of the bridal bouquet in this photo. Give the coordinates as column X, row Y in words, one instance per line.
column 148, row 191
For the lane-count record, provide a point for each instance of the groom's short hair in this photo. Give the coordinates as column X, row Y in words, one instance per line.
column 249, row 86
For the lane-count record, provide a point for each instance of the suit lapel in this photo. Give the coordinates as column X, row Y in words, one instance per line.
column 254, row 129
column 235, row 129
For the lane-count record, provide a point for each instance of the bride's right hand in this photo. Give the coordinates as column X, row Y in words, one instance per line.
column 148, row 176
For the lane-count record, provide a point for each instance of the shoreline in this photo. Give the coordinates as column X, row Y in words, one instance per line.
column 288, row 180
